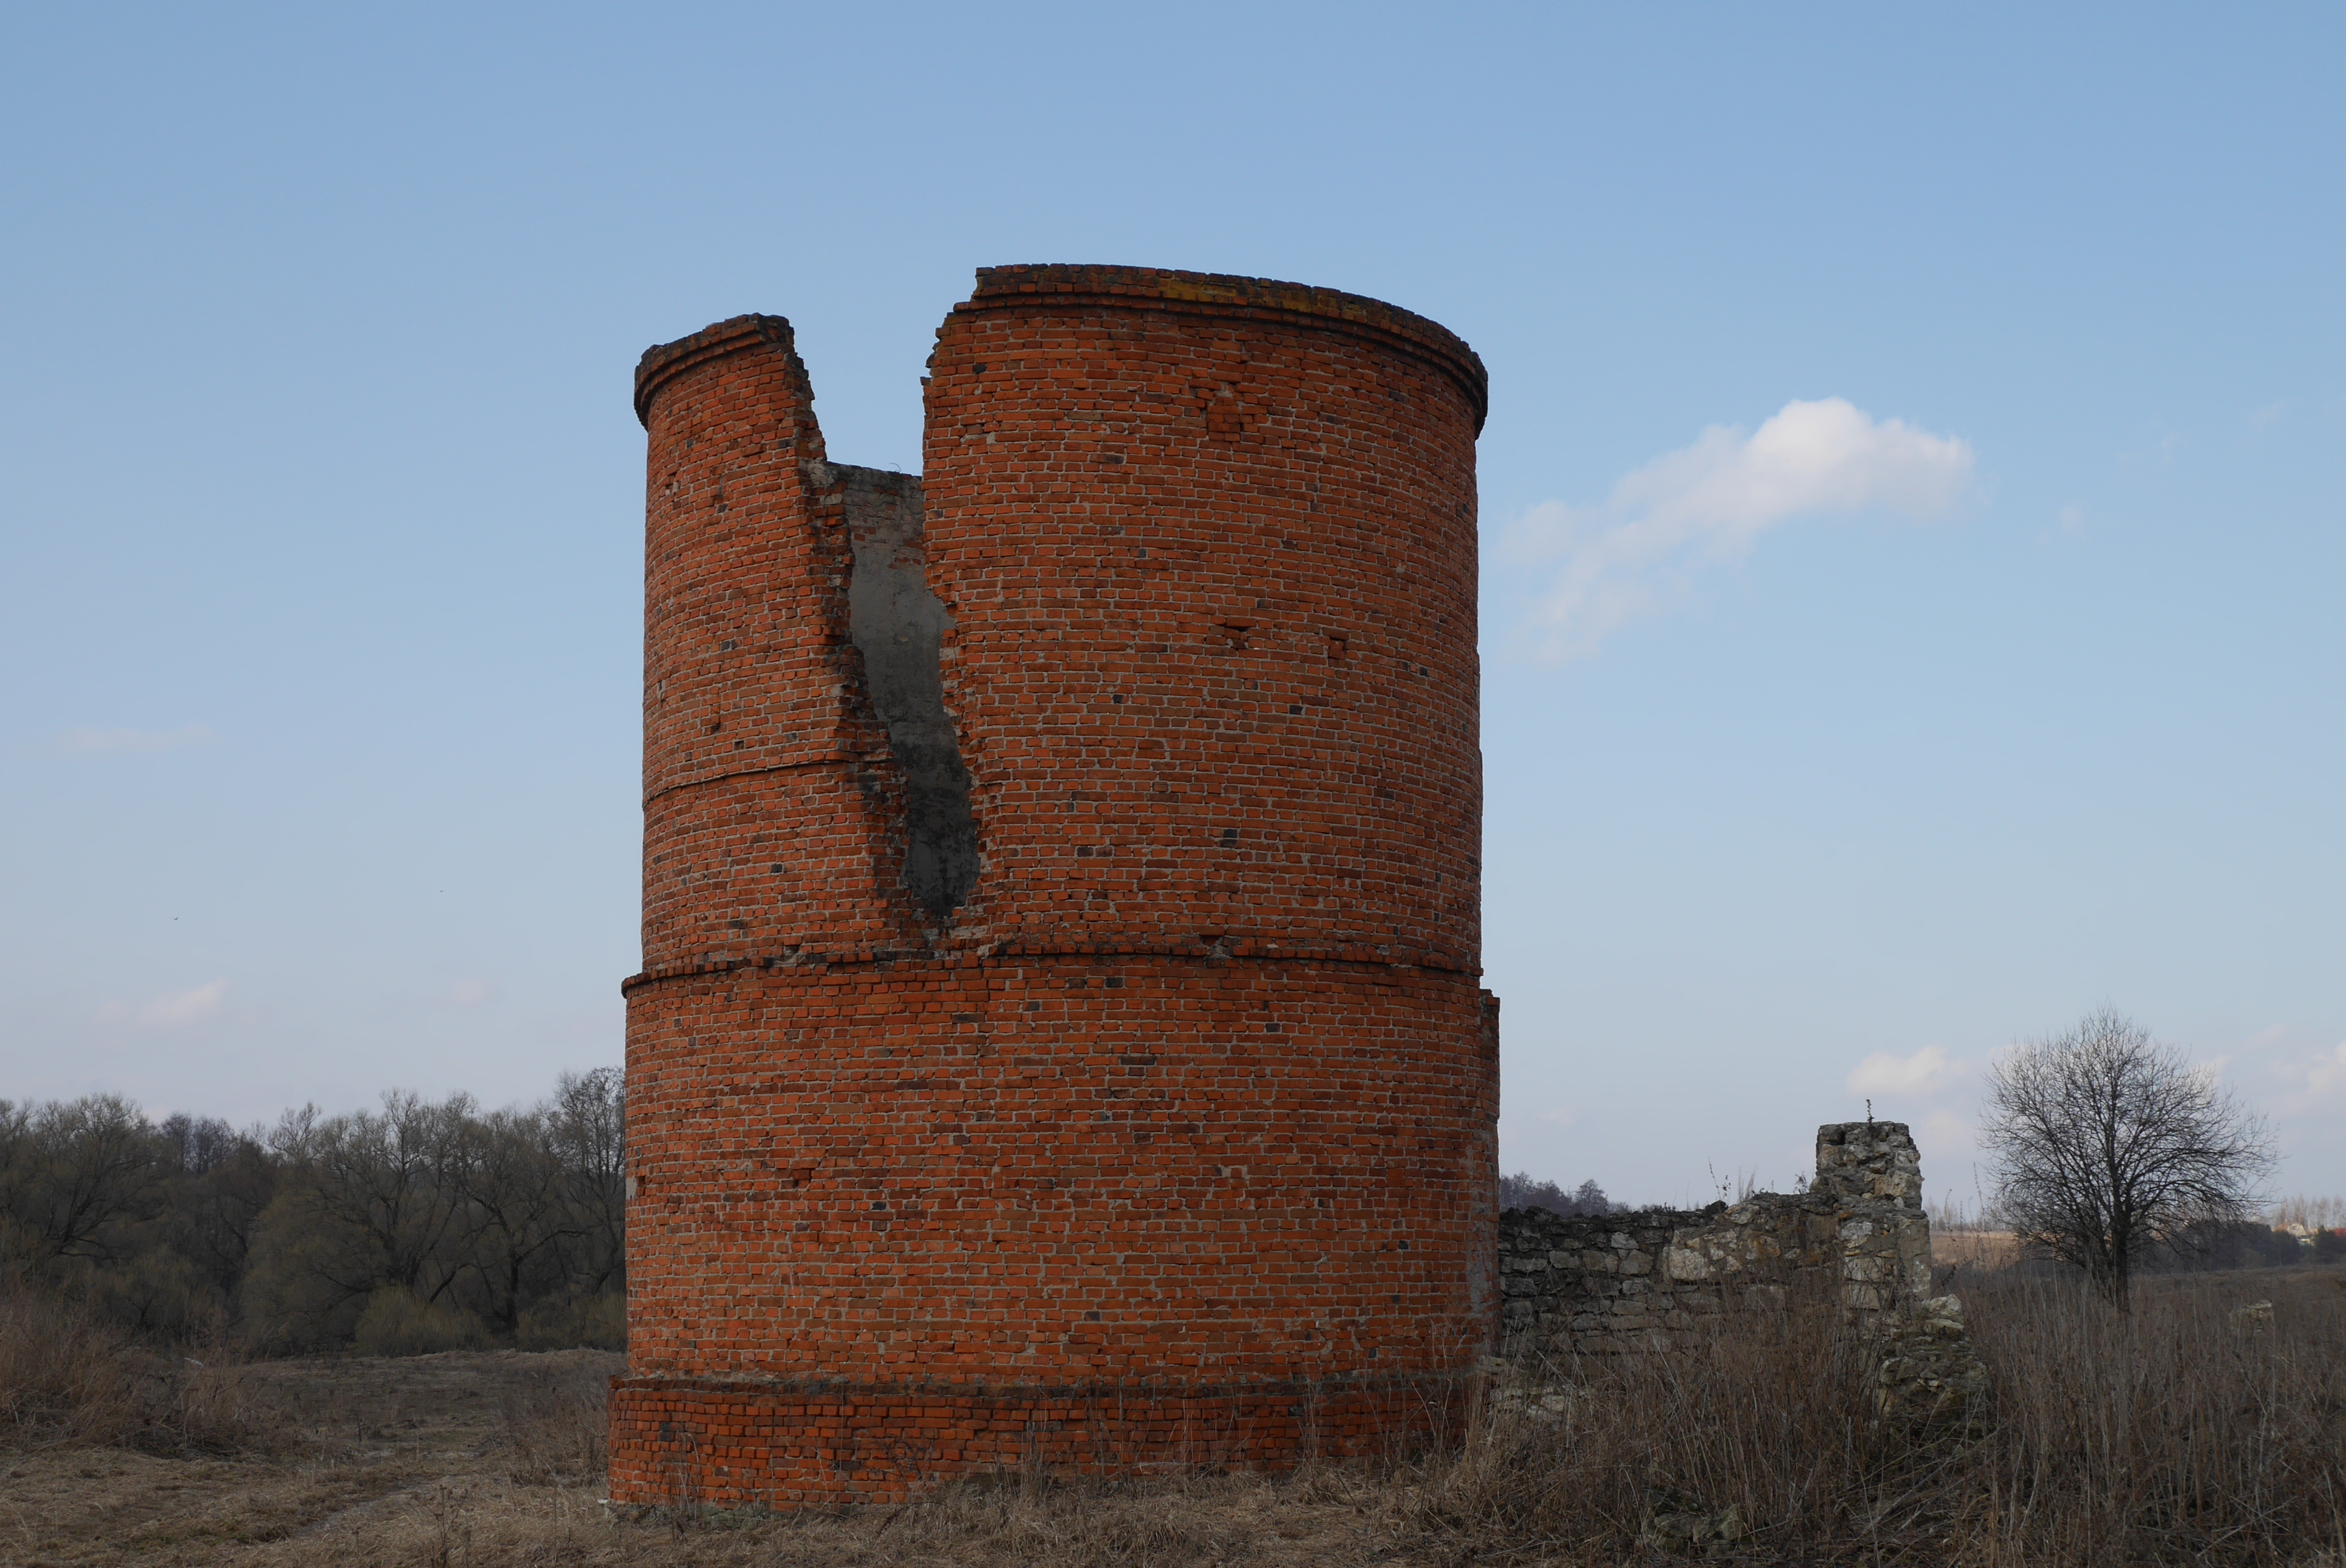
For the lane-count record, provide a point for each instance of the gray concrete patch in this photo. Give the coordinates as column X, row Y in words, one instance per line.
column 899, row 627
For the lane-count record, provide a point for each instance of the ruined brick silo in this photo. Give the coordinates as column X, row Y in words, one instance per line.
column 1059, row 1039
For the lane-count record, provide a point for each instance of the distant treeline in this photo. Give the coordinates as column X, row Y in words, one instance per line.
column 435, row 1224
column 420, row 1225
column 2247, row 1244
column 1520, row 1191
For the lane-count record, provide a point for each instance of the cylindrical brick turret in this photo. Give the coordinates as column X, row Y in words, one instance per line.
column 1209, row 545
column 1060, row 1037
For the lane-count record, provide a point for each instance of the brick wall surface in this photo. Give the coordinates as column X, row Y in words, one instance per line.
column 784, row 1443
column 1172, row 1140
column 1212, row 568
column 766, row 792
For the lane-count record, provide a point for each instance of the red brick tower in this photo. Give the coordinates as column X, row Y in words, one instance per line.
column 1059, row 1037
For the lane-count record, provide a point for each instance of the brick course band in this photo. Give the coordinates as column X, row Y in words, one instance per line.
column 1245, row 953
column 1058, row 1038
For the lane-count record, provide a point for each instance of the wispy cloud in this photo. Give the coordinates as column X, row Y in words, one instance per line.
column 169, row 1012
column 1704, row 505
column 1947, row 1133
column 2314, row 1079
column 473, row 992
column 1926, row 1071
column 133, row 740
column 2327, row 1071
column 2211, row 1071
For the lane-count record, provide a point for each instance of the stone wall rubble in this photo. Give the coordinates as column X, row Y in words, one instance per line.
column 1651, row 1279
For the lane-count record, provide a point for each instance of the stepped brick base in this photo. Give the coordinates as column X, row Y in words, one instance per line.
column 696, row 1442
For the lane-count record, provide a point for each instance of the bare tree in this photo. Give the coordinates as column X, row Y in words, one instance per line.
column 80, row 1179
column 509, row 1224
column 2107, row 1144
column 512, row 1214
column 586, row 1120
column 369, row 1199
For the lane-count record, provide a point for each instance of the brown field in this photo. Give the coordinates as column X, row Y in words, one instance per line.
column 2191, row 1432
column 494, row 1457
column 1974, row 1248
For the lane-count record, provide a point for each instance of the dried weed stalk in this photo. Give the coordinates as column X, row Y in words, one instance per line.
column 68, row 1377
column 2189, row 1431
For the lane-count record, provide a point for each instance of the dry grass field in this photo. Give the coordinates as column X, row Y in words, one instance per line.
column 494, row 1457
column 1974, row 1248
column 2189, row 1431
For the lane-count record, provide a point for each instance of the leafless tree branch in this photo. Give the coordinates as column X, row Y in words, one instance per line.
column 2107, row 1144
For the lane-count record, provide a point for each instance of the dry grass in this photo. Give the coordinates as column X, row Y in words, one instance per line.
column 2182, row 1434
column 469, row 1459
column 2186, row 1431
column 1974, row 1249
column 1156, row 1524
column 1769, row 1417
column 67, row 1377
column 557, row 1424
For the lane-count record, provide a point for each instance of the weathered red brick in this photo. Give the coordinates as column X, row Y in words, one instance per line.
column 1173, row 1142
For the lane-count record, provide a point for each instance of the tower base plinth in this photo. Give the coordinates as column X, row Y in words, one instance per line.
column 702, row 1442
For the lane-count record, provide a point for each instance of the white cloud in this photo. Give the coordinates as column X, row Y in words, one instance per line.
column 1926, row 1071
column 473, row 992
column 169, row 1012
column 2317, row 1074
column 2329, row 1071
column 2316, row 1084
column 1562, row 1115
column 133, row 740
column 188, row 1006
column 2211, row 1071
column 1705, row 505
column 1947, row 1135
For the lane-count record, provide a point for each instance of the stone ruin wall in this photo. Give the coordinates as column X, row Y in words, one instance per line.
column 1605, row 1284
column 1657, row 1279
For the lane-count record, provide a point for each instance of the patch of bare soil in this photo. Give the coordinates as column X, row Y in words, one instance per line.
column 470, row 1459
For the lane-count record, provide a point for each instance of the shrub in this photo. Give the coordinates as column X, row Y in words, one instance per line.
column 398, row 1322
column 594, row 1322
column 157, row 1294
column 69, row 1376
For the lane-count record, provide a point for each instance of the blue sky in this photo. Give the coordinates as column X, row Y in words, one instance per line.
column 1910, row 506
